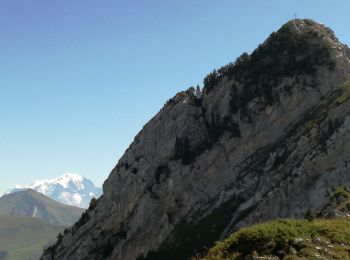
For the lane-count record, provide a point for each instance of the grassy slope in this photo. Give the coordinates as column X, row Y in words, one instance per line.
column 288, row 239
column 23, row 203
column 292, row 239
column 25, row 237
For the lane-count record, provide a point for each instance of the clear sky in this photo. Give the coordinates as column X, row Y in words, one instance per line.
column 79, row 78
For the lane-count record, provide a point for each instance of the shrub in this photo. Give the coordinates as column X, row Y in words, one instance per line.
column 210, row 81
column 309, row 215
column 93, row 204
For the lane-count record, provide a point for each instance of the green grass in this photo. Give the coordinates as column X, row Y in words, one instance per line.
column 337, row 97
column 341, row 191
column 288, row 239
column 291, row 238
column 25, row 237
column 23, row 204
column 345, row 88
column 338, row 203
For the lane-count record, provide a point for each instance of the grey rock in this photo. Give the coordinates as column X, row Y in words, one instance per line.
column 290, row 152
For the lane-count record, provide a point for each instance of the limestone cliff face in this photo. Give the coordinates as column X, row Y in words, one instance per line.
column 269, row 138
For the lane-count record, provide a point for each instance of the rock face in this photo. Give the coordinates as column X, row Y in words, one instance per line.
column 268, row 138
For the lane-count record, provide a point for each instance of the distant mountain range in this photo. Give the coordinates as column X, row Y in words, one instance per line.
column 33, row 215
column 34, row 204
column 70, row 189
column 29, row 220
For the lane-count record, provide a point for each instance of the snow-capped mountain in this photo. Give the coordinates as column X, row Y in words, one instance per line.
column 70, row 189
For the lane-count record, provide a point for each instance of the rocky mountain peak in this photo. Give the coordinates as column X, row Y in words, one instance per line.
column 263, row 141
column 303, row 30
column 304, row 26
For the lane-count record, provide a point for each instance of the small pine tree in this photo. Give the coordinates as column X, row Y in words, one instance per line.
column 198, row 92
column 309, row 215
column 215, row 129
column 59, row 238
column 93, row 203
column 178, row 149
column 186, row 156
column 233, row 99
column 210, row 81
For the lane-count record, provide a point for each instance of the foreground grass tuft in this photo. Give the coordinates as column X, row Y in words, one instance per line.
column 287, row 239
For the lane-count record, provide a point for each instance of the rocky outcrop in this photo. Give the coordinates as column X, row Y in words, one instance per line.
column 267, row 139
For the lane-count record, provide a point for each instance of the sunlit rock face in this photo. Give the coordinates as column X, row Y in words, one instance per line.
column 267, row 138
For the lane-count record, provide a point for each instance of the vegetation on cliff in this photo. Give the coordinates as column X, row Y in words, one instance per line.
column 322, row 238
column 292, row 50
column 287, row 239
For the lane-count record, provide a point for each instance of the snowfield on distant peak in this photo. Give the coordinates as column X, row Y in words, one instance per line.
column 70, row 189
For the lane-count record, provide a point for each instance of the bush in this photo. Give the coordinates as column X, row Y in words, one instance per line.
column 93, row 204
column 277, row 238
column 309, row 215
column 210, row 81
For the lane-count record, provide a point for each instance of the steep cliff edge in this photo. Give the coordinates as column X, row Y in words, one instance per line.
column 268, row 138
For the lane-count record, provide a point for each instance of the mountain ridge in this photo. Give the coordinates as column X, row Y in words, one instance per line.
column 70, row 189
column 263, row 141
column 34, row 204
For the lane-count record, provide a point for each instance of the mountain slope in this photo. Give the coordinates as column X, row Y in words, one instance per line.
column 33, row 204
column 24, row 237
column 287, row 239
column 267, row 139
column 70, row 189
column 293, row 239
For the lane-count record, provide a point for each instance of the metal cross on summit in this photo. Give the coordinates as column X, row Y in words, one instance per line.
column 295, row 16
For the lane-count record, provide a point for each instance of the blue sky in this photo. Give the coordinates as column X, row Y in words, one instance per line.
column 79, row 78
